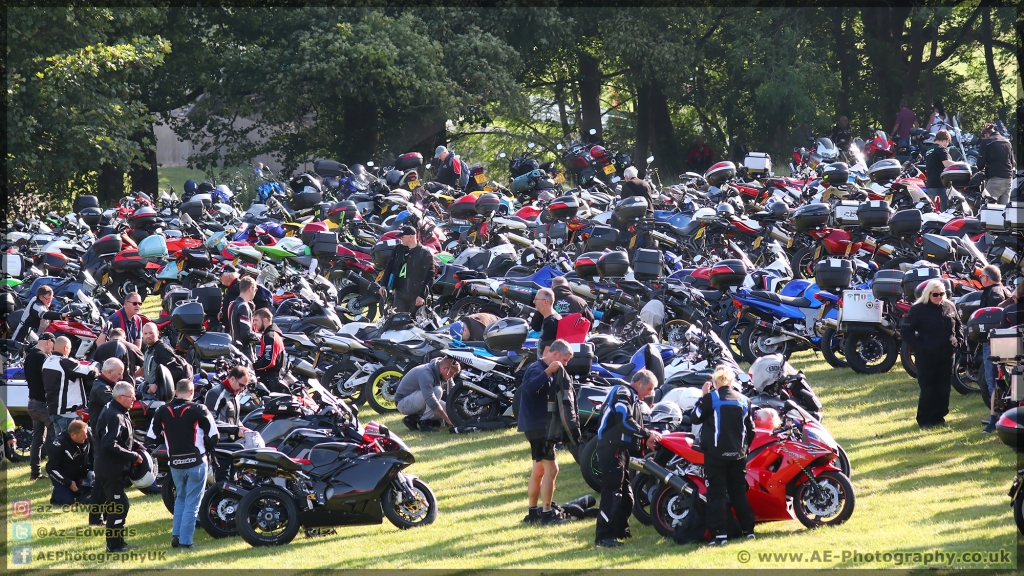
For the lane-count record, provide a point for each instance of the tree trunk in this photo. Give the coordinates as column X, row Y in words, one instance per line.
column 110, row 185
column 590, row 95
column 933, row 54
column 883, row 32
column 990, row 64
column 563, row 117
column 643, row 122
column 361, row 134
column 146, row 179
column 662, row 133
column 839, row 32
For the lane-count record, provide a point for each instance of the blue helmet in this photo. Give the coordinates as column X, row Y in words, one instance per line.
column 191, row 186
column 456, row 330
column 274, row 229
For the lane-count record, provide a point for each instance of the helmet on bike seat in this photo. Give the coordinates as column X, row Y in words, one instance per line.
column 191, row 186
column 205, row 188
column 725, row 210
column 767, row 419
column 767, row 370
column 666, row 416
column 274, row 229
column 456, row 330
column 393, row 178
column 778, row 210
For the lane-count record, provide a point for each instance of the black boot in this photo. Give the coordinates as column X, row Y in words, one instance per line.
column 532, row 515
column 411, row 422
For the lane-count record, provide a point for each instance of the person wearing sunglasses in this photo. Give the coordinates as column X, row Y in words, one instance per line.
column 128, row 318
column 934, row 333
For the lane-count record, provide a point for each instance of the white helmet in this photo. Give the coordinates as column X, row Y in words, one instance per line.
column 666, row 415
column 767, row 370
column 684, row 397
column 143, row 475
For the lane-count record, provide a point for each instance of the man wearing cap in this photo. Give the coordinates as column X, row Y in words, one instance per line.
column 451, row 171
column 408, row 273
column 229, row 278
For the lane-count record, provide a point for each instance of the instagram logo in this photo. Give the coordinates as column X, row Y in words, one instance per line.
column 21, row 508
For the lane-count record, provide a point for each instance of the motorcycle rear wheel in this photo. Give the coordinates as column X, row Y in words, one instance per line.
column 412, row 514
column 874, row 353
column 217, row 513
column 802, row 262
column 675, row 332
column 590, row 466
column 267, row 516
column 966, row 376
column 472, row 305
column 346, row 305
column 831, row 508
column 464, row 406
column 908, row 360
column 381, row 387
column 752, row 344
column 644, row 488
column 336, row 375
column 1018, row 512
column 168, row 494
column 672, row 511
column 832, row 349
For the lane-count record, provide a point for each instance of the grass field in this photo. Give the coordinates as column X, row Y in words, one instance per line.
column 941, row 490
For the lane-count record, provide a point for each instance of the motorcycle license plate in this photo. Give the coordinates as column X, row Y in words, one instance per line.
column 480, row 178
column 700, row 232
column 789, row 244
column 757, row 242
column 817, row 252
column 609, row 169
column 559, row 178
column 888, row 198
column 413, row 184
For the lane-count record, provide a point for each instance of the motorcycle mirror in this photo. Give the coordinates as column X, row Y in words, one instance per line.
column 593, row 131
column 370, row 164
column 650, row 159
column 530, row 145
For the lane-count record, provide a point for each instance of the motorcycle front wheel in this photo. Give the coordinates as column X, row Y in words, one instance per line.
column 381, row 387
column 466, row 406
column 873, row 353
column 168, row 495
column 828, row 500
column 1018, row 512
column 217, row 512
column 590, row 466
column 753, row 344
column 832, row 349
column 409, row 511
column 335, row 378
column 967, row 375
column 267, row 516
column 644, row 488
column 348, row 308
column 908, row 360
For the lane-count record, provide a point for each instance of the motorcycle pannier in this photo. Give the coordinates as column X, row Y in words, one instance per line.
column 507, row 334
column 887, row 284
column 983, row 321
column 582, row 359
column 586, row 265
column 844, row 213
column 325, row 245
column 602, row 238
column 811, row 216
column 631, row 208
column 1006, row 344
column 188, row 317
column 906, row 223
column 874, row 214
column 303, row 200
column 487, row 204
column 885, row 171
column 613, row 264
column 282, row 405
column 563, row 207
column 109, row 244
column 992, row 217
column 194, row 209
column 730, row 273
column 408, row 160
column 833, row 274
column 648, row 264
column 381, row 252
column 913, row 278
column 936, row 248
column 1015, row 216
column 464, row 208
column 1010, row 426
column 87, row 201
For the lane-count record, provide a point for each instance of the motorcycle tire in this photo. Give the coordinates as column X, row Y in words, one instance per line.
column 752, row 349
column 831, row 508
column 124, row 284
column 472, row 305
column 730, row 334
column 464, row 406
column 802, row 262
column 346, row 309
column 260, row 502
column 879, row 346
column 22, row 452
column 832, row 349
column 1018, row 512
column 589, row 464
column 908, row 360
column 168, row 494
column 419, row 513
column 644, row 488
column 675, row 332
column 672, row 511
column 965, row 378
column 380, row 389
column 843, row 462
column 336, row 375
column 217, row 513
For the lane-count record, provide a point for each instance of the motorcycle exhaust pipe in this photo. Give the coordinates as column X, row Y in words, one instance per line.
column 671, row 478
column 781, row 332
column 479, row 389
column 663, row 238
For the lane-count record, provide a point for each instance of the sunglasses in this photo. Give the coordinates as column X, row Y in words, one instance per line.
column 939, row 294
column 137, row 303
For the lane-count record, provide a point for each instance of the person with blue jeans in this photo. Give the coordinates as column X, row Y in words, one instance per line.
column 992, row 293
column 190, row 434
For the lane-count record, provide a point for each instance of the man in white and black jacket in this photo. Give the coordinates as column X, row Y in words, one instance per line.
column 64, row 380
column 117, row 451
column 37, row 314
column 190, row 434
column 725, row 436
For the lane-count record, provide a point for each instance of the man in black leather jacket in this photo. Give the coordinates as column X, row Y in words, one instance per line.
column 222, row 401
column 118, row 450
column 240, row 313
column 408, row 273
column 841, row 135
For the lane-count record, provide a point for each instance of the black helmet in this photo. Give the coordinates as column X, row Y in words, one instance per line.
column 393, row 178
column 206, row 187
column 836, row 174
column 191, row 186
column 779, row 210
column 304, row 180
column 725, row 210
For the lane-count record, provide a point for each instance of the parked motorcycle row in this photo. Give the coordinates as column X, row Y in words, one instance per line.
column 733, row 264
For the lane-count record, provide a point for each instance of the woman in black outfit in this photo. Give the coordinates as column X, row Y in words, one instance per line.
column 934, row 333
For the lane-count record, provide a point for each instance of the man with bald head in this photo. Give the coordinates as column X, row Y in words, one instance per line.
column 64, row 380
column 100, row 395
column 159, row 353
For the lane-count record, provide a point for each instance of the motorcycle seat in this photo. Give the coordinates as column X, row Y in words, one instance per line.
column 620, row 369
column 798, row 301
column 355, row 247
column 300, row 261
column 523, row 283
column 711, row 295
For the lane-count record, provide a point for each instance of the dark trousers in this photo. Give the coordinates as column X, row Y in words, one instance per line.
column 96, row 500
column 616, row 494
column 115, row 507
column 41, row 430
column 62, row 495
column 406, row 303
column 727, row 477
column 273, row 383
column 933, row 375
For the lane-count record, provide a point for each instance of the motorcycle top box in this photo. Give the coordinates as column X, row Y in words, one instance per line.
column 992, row 217
column 382, row 251
column 586, row 264
column 874, row 214
column 324, row 245
column 213, row 345
column 913, row 278
column 188, row 317
column 564, row 207
column 648, row 264
column 464, row 208
column 810, row 216
column 631, row 208
column 906, row 223
column 194, row 209
column 885, row 171
column 488, row 204
column 602, row 238
column 408, row 161
column 983, row 321
column 956, row 174
column 91, row 216
column 85, row 201
column 730, row 273
column 720, row 173
column 887, row 284
column 936, row 248
column 833, row 274
column 1010, row 428
column 613, row 264
column 303, row 200
column 507, row 334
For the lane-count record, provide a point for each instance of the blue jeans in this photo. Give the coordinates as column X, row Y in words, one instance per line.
column 941, row 193
column 64, row 496
column 60, row 424
column 189, row 483
column 988, row 369
column 904, row 142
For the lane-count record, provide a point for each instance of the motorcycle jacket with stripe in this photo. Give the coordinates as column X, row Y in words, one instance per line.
column 223, row 406
column 64, row 381
column 727, row 423
column 188, row 430
column 67, row 460
column 118, row 447
column 36, row 318
column 621, row 423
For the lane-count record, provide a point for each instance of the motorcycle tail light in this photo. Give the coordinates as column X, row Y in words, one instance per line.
column 1007, row 422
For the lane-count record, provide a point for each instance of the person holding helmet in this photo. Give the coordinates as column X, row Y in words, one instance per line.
column 451, row 171
column 408, row 273
column 933, row 331
column 727, row 429
column 118, row 451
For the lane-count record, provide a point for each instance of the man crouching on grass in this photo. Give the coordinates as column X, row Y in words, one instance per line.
column 533, row 421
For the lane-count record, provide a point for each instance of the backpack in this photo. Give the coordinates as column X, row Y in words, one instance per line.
column 564, row 425
column 463, row 174
column 573, row 328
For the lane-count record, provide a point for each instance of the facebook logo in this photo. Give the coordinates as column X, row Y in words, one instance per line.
column 21, row 531
column 21, row 555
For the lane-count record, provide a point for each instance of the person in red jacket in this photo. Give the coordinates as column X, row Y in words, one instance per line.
column 700, row 156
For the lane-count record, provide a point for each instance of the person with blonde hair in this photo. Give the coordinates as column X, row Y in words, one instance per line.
column 725, row 436
column 934, row 333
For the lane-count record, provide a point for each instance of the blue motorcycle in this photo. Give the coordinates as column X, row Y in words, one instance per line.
column 784, row 322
